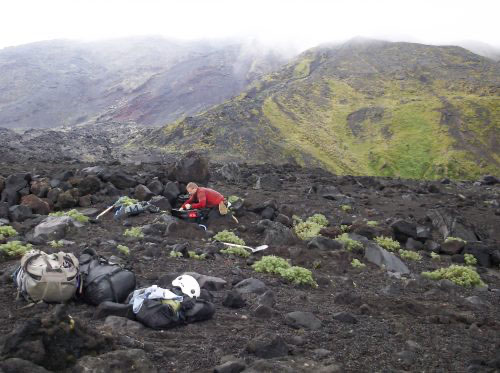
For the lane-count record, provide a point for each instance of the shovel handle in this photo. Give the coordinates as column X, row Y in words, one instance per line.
column 104, row 212
column 235, row 245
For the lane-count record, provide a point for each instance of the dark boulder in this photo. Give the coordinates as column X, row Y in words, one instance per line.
column 119, row 179
column 276, row 233
column 89, row 185
column 66, row 200
column 267, row 299
column 20, row 213
column 495, row 257
column 267, row 213
column 452, row 247
column 155, row 187
column 324, row 243
column 14, row 185
column 171, row 222
column 300, row 319
column 142, row 193
column 482, row 252
column 489, row 180
column 53, row 195
column 366, row 231
column 193, row 167
column 40, row 188
column 283, row 219
column 111, row 190
column 403, row 230
column 161, row 202
column 37, row 205
column 263, row 312
column 4, row 210
column 233, row 299
column 85, row 201
column 171, row 191
column 250, row 285
column 412, row 244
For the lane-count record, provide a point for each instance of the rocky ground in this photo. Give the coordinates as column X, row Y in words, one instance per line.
column 367, row 319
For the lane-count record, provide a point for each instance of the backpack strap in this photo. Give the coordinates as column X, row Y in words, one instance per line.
column 28, row 260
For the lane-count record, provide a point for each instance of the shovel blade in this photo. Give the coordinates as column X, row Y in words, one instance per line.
column 259, row 248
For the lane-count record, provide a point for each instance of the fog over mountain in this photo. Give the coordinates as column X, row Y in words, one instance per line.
column 147, row 80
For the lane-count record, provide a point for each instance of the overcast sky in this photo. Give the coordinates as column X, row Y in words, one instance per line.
column 304, row 23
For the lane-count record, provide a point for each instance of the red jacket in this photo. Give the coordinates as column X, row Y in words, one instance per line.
column 206, row 197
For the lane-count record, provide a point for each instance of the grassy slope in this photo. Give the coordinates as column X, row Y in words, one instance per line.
column 437, row 113
column 409, row 141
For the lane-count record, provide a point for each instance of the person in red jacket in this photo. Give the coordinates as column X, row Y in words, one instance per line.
column 204, row 198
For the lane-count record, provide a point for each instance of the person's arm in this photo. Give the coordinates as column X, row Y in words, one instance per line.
column 188, row 201
column 202, row 200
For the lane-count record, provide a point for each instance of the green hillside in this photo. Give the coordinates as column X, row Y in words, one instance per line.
column 363, row 108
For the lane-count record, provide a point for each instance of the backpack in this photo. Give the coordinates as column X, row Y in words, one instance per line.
column 134, row 209
column 45, row 277
column 104, row 281
column 167, row 313
column 160, row 313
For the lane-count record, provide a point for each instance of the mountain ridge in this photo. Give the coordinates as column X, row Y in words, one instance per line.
column 323, row 109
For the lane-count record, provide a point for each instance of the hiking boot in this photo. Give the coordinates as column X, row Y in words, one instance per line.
column 222, row 208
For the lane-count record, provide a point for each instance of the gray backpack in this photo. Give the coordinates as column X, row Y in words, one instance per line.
column 52, row 278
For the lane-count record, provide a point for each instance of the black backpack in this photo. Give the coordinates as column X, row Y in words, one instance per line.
column 157, row 315
column 104, row 281
column 160, row 314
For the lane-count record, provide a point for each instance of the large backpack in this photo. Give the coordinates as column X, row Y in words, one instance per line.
column 160, row 314
column 52, row 278
column 165, row 314
column 168, row 313
column 104, row 281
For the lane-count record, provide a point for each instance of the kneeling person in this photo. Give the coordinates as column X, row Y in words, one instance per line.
column 204, row 198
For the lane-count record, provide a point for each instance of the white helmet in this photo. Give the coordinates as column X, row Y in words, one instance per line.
column 188, row 285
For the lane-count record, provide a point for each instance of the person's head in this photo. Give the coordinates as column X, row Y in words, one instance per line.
column 192, row 188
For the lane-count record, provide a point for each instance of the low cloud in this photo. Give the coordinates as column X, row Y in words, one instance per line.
column 298, row 24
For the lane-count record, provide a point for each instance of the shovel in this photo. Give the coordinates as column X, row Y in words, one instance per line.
column 253, row 250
